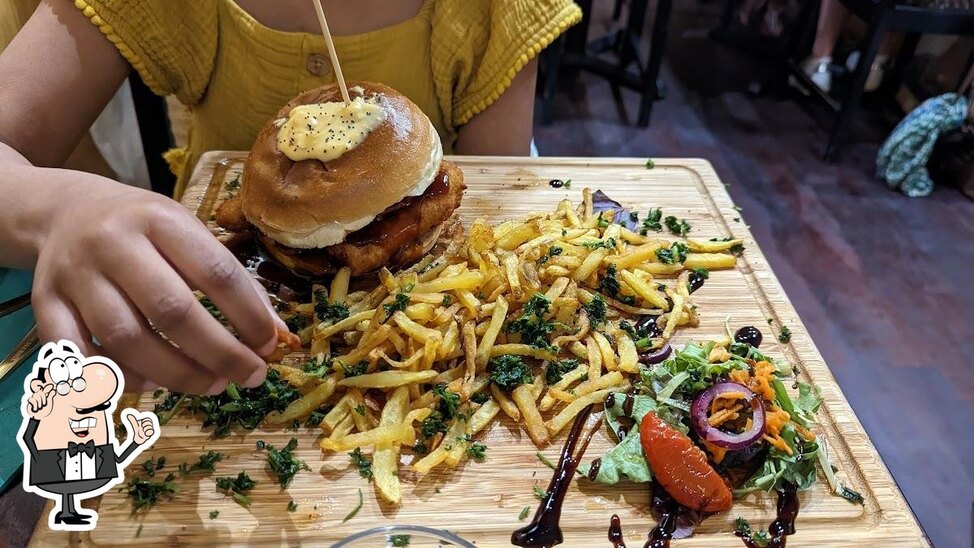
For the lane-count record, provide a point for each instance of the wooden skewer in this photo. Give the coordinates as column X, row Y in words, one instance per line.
column 331, row 51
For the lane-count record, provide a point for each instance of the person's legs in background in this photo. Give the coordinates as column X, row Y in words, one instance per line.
column 818, row 66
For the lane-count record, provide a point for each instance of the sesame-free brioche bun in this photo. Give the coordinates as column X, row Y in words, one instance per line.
column 309, row 204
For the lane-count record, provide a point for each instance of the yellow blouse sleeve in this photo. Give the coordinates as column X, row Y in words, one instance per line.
column 478, row 46
column 171, row 43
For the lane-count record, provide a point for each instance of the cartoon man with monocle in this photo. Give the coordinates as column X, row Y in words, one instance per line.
column 68, row 436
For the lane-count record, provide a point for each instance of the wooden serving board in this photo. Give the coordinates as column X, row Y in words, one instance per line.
column 481, row 501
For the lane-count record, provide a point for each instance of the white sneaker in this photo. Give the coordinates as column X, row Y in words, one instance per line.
column 819, row 71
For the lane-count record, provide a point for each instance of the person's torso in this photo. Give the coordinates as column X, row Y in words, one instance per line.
column 258, row 69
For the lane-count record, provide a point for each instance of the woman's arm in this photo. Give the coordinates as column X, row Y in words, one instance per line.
column 505, row 128
column 112, row 262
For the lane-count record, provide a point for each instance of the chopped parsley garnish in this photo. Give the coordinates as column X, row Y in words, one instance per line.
column 785, row 335
column 151, row 466
column 609, row 243
column 641, row 335
column 652, row 221
column 650, row 164
column 544, row 460
column 399, row 540
column 329, row 311
column 634, row 216
column 557, row 369
column 477, row 451
column 421, row 448
column 602, row 223
column 449, row 401
column 245, row 407
column 508, row 372
column 355, row 510
column 609, row 284
column 400, row 303
column 743, row 529
column 316, row 416
column 319, row 367
column 736, row 249
column 532, row 326
column 138, row 532
column 362, row 463
column 355, row 370
column 676, row 253
column 553, row 251
column 539, row 492
column 447, row 300
column 852, row 496
column 702, row 272
column 568, row 183
column 596, row 310
column 283, row 462
column 680, row 227
column 360, row 409
column 292, row 506
column 214, row 514
column 432, row 424
column 237, row 487
column 146, row 493
column 233, row 184
column 480, row 397
column 205, row 462
column 296, row 323
column 524, row 513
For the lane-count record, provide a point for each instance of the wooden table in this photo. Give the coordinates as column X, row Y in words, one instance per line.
column 481, row 501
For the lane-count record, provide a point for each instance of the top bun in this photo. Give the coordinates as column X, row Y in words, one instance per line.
column 309, row 204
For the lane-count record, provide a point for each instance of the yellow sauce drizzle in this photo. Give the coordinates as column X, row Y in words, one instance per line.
column 325, row 131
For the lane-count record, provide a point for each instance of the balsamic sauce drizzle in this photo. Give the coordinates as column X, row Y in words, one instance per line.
column 543, row 531
column 784, row 523
column 669, row 510
column 615, row 533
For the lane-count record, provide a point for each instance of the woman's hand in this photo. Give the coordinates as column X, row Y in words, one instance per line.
column 119, row 264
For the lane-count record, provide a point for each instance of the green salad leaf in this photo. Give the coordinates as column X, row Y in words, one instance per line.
column 626, row 458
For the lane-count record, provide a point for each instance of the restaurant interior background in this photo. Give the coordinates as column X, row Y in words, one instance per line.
column 880, row 280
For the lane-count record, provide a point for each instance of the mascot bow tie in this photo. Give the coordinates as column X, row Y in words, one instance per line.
column 87, row 448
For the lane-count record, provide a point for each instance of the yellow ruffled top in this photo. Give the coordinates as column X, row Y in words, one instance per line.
column 453, row 59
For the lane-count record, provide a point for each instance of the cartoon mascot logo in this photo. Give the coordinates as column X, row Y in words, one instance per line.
column 68, row 436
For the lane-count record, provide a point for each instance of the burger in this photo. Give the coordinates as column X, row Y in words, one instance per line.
column 329, row 184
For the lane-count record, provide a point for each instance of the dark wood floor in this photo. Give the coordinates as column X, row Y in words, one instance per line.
column 882, row 282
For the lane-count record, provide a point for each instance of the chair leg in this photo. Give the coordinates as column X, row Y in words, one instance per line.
column 877, row 29
column 651, row 88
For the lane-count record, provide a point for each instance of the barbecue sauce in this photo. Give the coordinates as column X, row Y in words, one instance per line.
column 543, row 531
column 784, row 523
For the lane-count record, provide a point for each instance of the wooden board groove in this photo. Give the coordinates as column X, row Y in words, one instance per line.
column 481, row 501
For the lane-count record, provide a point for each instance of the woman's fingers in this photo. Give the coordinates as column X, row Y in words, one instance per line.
column 210, row 267
column 128, row 340
column 57, row 319
column 169, row 304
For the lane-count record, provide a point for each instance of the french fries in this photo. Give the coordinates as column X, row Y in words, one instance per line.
column 431, row 356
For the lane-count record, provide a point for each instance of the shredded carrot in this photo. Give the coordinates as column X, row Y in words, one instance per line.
column 718, row 453
column 775, row 419
column 778, row 443
column 740, row 376
column 724, row 415
column 804, row 432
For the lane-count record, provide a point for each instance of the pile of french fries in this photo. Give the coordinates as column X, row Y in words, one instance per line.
column 452, row 319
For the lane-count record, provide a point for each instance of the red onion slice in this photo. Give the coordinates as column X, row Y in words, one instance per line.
column 727, row 440
column 656, row 356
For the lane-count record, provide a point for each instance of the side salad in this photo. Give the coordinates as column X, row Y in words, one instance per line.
column 715, row 422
